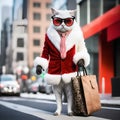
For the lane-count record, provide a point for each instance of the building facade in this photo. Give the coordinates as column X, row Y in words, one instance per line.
column 19, row 45
column 100, row 21
column 31, row 19
column 17, row 49
column 38, row 16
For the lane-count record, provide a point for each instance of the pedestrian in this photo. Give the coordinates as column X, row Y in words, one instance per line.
column 64, row 50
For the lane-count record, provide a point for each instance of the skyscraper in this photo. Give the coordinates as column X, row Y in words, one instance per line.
column 5, row 33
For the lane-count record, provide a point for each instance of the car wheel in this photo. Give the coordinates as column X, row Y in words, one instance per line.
column 18, row 94
column 34, row 92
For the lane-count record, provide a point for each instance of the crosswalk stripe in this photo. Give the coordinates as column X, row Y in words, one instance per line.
column 44, row 114
column 111, row 108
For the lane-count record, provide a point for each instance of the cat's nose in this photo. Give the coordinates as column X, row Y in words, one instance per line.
column 63, row 24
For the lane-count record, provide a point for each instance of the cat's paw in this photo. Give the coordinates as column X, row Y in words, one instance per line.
column 56, row 114
column 70, row 114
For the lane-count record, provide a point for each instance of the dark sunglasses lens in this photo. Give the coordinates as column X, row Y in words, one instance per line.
column 57, row 21
column 69, row 21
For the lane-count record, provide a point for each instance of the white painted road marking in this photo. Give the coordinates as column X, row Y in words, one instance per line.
column 44, row 114
column 47, row 101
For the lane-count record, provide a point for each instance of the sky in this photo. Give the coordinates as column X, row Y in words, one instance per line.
column 59, row 4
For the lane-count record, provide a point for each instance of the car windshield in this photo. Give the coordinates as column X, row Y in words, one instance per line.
column 7, row 78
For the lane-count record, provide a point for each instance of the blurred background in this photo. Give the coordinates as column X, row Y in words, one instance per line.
column 23, row 24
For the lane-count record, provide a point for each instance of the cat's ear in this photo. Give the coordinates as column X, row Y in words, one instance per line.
column 54, row 11
column 72, row 12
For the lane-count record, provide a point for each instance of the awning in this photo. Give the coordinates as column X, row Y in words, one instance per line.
column 109, row 20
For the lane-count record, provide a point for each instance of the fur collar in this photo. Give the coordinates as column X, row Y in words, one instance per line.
column 73, row 38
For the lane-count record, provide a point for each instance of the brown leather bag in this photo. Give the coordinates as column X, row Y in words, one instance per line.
column 86, row 99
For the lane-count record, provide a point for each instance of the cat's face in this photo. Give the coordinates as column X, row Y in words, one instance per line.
column 63, row 20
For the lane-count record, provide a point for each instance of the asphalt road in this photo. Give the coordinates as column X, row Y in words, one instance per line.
column 9, row 114
column 18, row 108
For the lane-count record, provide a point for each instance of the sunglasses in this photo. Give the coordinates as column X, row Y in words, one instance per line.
column 58, row 21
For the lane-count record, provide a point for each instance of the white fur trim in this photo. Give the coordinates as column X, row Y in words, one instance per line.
column 82, row 55
column 52, row 79
column 41, row 61
column 73, row 38
column 67, row 77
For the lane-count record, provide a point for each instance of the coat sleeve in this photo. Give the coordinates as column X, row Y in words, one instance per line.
column 45, row 52
column 81, row 52
column 43, row 60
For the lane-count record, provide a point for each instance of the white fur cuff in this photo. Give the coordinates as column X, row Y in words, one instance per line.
column 41, row 61
column 82, row 55
column 52, row 79
column 67, row 77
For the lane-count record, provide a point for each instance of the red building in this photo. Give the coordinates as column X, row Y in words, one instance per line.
column 108, row 28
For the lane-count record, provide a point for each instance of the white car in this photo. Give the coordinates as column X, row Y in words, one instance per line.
column 9, row 85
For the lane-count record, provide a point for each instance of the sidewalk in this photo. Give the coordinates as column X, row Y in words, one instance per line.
column 107, row 99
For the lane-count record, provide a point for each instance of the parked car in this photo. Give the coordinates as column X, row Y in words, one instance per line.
column 33, row 87
column 44, row 87
column 9, row 85
column 40, row 85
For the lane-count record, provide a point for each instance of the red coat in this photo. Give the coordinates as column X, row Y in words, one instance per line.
column 50, row 60
column 56, row 64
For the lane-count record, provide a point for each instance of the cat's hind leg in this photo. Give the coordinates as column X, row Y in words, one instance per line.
column 58, row 94
column 68, row 91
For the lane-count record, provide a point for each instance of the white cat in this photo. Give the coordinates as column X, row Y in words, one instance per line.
column 64, row 48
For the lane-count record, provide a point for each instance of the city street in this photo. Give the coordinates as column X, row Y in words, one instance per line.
column 41, row 106
column 44, row 43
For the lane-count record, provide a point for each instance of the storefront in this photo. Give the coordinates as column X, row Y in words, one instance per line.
column 108, row 28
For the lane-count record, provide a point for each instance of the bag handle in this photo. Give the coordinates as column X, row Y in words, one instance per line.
column 82, row 69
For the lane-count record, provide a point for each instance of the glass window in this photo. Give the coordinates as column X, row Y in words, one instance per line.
column 20, row 56
column 36, row 54
column 36, row 42
column 36, row 16
column 94, row 9
column 108, row 4
column 36, row 29
column 20, row 42
column 48, row 5
column 7, row 78
column 36, row 4
column 83, row 14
